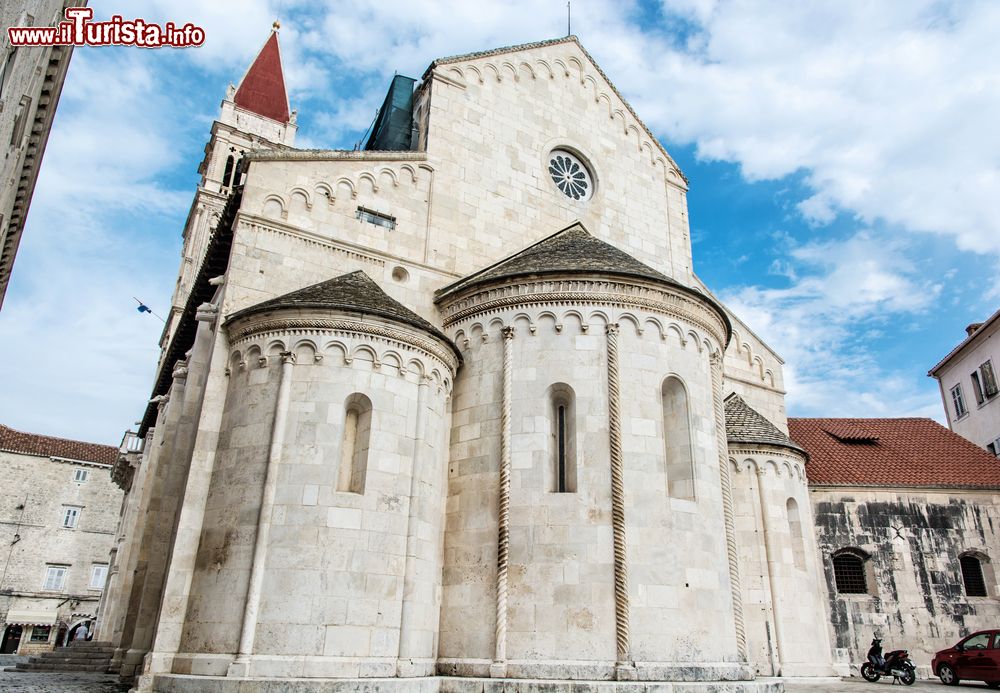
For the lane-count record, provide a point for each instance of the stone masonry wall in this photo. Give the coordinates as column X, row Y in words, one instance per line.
column 914, row 538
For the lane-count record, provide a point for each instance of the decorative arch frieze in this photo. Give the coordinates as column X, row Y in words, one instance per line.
column 344, row 342
column 570, row 67
column 767, row 460
column 593, row 303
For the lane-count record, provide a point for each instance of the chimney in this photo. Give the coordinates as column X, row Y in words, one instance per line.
column 972, row 328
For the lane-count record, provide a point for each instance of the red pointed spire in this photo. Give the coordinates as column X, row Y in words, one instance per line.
column 262, row 90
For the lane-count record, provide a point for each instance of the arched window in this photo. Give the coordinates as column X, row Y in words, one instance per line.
column 972, row 575
column 850, row 571
column 227, row 177
column 677, row 439
column 237, row 173
column 354, row 444
column 562, row 418
column 795, row 532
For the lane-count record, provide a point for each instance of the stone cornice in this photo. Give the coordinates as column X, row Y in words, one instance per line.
column 244, row 329
column 656, row 298
column 333, row 155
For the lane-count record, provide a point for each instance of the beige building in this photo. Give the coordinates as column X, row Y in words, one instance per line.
column 58, row 513
column 31, row 80
column 969, row 386
column 454, row 408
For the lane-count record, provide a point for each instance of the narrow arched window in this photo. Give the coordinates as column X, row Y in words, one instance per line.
column 850, row 573
column 227, row 177
column 562, row 422
column 237, row 173
column 354, row 444
column 677, row 439
column 795, row 532
column 972, row 575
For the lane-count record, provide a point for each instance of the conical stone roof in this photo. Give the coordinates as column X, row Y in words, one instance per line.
column 353, row 293
column 744, row 424
column 570, row 251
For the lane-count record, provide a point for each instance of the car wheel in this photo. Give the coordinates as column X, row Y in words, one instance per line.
column 869, row 673
column 947, row 675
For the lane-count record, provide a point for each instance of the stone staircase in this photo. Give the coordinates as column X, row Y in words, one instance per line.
column 77, row 656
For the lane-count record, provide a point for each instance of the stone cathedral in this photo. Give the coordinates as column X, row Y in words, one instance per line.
column 454, row 408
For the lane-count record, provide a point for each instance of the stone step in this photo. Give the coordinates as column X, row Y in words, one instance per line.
column 58, row 666
column 90, row 643
column 76, row 652
column 71, row 659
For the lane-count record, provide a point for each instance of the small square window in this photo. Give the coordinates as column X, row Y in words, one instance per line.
column 40, row 633
column 80, row 475
column 55, row 578
column 98, row 576
column 71, row 515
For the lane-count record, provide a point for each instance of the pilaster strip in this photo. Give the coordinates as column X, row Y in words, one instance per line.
column 503, row 539
column 254, row 589
column 727, row 504
column 618, row 499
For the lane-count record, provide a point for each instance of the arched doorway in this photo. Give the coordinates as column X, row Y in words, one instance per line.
column 71, row 635
column 11, row 639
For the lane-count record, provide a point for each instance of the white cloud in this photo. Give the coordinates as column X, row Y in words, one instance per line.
column 824, row 322
column 886, row 110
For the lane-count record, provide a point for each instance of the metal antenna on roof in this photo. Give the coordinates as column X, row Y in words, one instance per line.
column 569, row 18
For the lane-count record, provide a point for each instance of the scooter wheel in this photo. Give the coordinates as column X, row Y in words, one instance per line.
column 908, row 677
column 869, row 673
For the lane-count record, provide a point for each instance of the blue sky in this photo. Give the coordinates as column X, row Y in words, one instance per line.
column 844, row 161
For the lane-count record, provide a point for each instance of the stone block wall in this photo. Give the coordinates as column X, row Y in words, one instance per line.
column 914, row 539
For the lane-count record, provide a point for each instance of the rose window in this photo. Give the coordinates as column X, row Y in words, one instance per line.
column 570, row 175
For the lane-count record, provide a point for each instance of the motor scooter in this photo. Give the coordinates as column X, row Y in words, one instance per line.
column 896, row 664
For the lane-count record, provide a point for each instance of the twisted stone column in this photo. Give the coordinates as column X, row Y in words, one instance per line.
column 499, row 667
column 727, row 504
column 623, row 666
column 241, row 666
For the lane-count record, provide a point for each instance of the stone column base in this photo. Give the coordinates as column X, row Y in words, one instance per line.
column 180, row 683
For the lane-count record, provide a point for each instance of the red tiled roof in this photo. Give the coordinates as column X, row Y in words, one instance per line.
column 47, row 446
column 892, row 452
column 263, row 87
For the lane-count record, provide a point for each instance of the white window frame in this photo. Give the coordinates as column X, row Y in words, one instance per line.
column 958, row 401
column 55, row 578
column 98, row 570
column 71, row 516
column 80, row 475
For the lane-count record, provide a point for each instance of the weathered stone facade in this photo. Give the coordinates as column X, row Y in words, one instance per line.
column 31, row 80
column 58, row 513
column 914, row 540
column 424, row 415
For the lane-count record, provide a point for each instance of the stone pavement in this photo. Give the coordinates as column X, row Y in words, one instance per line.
column 59, row 682
column 63, row 682
column 859, row 685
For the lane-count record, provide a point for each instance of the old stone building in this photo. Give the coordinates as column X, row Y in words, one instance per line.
column 907, row 516
column 969, row 388
column 455, row 407
column 58, row 512
column 31, row 80
column 450, row 406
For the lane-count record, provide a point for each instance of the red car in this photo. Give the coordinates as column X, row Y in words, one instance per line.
column 977, row 657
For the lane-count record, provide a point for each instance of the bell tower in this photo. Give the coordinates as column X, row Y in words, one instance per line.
column 255, row 114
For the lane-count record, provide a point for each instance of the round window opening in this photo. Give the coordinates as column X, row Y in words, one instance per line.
column 570, row 175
